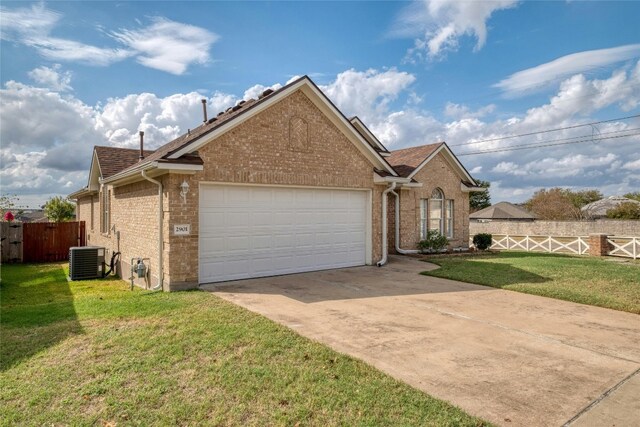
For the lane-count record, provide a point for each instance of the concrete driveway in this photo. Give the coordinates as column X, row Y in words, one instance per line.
column 511, row 358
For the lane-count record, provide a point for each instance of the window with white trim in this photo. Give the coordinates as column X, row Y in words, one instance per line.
column 449, row 216
column 92, row 213
column 436, row 207
column 104, row 224
column 436, row 213
column 424, row 206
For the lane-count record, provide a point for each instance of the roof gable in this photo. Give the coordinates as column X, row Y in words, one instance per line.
column 502, row 210
column 234, row 116
column 112, row 160
column 409, row 161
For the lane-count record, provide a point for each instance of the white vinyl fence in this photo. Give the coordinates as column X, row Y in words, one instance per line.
column 551, row 244
column 628, row 247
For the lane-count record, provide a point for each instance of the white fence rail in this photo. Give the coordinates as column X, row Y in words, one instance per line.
column 551, row 244
column 628, row 247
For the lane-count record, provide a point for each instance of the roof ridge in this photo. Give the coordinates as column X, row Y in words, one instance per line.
column 119, row 148
column 418, row 146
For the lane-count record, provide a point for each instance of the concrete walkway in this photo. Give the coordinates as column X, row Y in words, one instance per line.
column 511, row 358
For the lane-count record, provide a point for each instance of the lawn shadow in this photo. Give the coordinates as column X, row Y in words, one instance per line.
column 396, row 279
column 534, row 254
column 36, row 311
column 496, row 275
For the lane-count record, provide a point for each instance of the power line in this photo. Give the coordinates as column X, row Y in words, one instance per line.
column 545, row 131
column 592, row 137
column 539, row 145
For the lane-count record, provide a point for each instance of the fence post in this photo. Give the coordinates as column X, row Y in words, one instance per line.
column 598, row 244
column 507, row 242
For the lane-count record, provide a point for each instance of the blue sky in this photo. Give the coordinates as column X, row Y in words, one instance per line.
column 79, row 74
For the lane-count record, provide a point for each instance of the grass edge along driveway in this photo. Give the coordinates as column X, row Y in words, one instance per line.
column 93, row 352
column 585, row 280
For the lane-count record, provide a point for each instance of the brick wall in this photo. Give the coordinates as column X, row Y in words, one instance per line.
column 558, row 228
column 438, row 173
column 134, row 214
column 261, row 151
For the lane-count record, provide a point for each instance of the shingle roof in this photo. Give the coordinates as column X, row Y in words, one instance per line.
column 502, row 210
column 406, row 160
column 211, row 124
column 600, row 207
column 113, row 160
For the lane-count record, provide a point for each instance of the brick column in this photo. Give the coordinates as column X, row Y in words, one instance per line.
column 598, row 245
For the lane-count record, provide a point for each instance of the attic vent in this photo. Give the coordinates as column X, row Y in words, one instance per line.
column 211, row 120
column 241, row 102
column 298, row 134
column 220, row 113
column 236, row 108
column 267, row 92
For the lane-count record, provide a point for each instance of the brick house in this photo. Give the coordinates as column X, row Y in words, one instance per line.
column 278, row 185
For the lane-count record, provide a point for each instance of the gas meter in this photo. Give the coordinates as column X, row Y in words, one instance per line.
column 141, row 269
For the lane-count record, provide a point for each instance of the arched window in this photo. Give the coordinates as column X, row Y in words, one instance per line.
column 436, row 211
column 436, row 214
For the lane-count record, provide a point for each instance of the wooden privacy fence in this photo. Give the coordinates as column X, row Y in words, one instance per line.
column 11, row 233
column 42, row 241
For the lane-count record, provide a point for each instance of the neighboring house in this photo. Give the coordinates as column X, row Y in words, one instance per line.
column 599, row 208
column 504, row 211
column 31, row 215
column 278, row 185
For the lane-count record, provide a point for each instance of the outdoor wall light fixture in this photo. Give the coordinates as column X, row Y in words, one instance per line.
column 184, row 190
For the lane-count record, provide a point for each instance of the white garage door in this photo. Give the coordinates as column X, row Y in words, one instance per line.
column 253, row 231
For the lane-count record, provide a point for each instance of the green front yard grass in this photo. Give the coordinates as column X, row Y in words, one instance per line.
column 96, row 353
column 583, row 280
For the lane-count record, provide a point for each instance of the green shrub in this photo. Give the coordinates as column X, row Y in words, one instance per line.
column 434, row 242
column 482, row 241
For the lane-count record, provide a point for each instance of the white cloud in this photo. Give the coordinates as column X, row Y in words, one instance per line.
column 52, row 77
column 26, row 23
column 458, row 111
column 551, row 72
column 47, row 137
column 256, row 90
column 367, row 94
column 439, row 24
column 40, row 127
column 57, row 49
column 168, row 45
column 402, row 123
column 633, row 165
column 163, row 45
column 32, row 27
column 579, row 95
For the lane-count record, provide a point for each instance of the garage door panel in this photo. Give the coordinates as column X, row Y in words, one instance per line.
column 262, row 231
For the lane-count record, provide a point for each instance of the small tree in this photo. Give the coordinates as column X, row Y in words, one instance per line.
column 8, row 216
column 480, row 199
column 58, row 209
column 553, row 204
column 583, row 197
column 482, row 241
column 625, row 210
column 434, row 242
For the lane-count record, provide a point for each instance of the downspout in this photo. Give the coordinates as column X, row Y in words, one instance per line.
column 383, row 260
column 397, row 221
column 160, row 232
